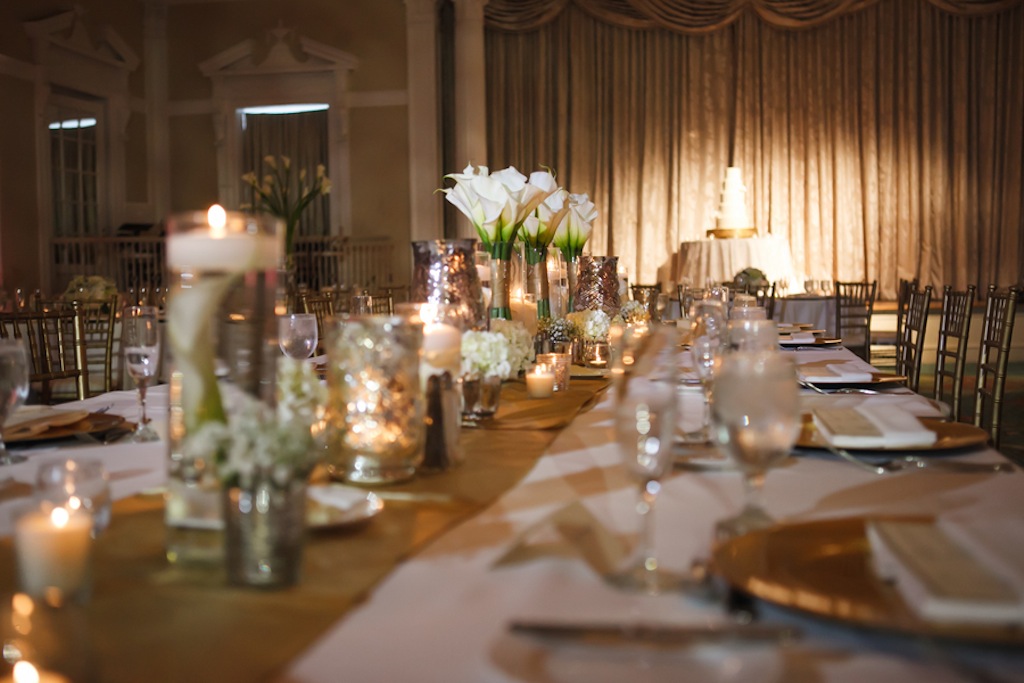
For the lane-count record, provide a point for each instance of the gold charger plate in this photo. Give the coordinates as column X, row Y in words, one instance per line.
column 92, row 423
column 950, row 436
column 819, row 341
column 823, row 568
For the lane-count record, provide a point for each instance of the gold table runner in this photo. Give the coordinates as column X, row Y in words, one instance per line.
column 148, row 620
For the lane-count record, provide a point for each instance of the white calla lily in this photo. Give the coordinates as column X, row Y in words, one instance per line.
column 539, row 229
column 574, row 229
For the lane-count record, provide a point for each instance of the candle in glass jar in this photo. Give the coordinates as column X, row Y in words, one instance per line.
column 53, row 552
column 540, row 382
column 442, row 350
column 26, row 672
column 225, row 247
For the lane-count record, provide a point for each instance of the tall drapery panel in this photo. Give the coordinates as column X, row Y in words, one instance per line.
column 883, row 139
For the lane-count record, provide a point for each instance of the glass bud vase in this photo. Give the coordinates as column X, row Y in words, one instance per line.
column 536, row 259
column 222, row 337
column 375, row 408
column 480, row 397
column 265, row 526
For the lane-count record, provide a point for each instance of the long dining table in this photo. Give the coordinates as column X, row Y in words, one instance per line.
column 519, row 532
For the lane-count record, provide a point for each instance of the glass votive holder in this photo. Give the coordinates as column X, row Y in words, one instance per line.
column 596, row 354
column 540, row 381
column 561, row 365
column 79, row 485
column 753, row 335
column 748, row 313
column 53, row 545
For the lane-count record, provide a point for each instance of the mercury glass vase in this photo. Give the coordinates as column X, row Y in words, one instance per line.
column 444, row 273
column 375, row 407
column 480, row 397
column 597, row 285
column 264, row 529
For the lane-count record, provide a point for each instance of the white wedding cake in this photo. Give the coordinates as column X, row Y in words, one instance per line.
column 732, row 212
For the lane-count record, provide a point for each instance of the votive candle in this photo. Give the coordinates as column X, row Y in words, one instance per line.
column 540, row 382
column 53, row 552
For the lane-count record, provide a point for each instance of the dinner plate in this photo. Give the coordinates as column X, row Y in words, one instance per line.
column 330, row 506
column 949, row 436
column 580, row 372
column 876, row 378
column 823, row 568
column 91, row 423
column 818, row 341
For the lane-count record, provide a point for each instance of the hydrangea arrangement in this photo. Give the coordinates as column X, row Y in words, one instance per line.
column 89, row 288
column 520, row 344
column 485, row 354
column 592, row 325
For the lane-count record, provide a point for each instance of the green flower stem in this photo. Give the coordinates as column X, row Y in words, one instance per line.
column 537, row 278
column 501, row 260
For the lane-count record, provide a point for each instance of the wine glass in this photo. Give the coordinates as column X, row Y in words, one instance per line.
column 297, row 335
column 645, row 416
column 755, row 410
column 140, row 339
column 707, row 346
column 13, row 387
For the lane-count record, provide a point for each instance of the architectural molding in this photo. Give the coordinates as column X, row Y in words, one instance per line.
column 284, row 68
column 15, row 68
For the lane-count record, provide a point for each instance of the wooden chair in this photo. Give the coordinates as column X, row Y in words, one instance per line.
column 56, row 347
column 911, row 342
column 99, row 319
column 766, row 299
column 994, row 355
column 954, row 331
column 321, row 305
column 382, row 304
column 855, row 302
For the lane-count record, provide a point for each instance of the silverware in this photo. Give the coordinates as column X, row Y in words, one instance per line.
column 912, row 462
column 654, row 633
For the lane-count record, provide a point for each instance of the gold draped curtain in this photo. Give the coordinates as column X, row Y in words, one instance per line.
column 883, row 138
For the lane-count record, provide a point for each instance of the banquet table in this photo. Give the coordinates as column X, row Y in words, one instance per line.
column 719, row 260
column 817, row 311
column 426, row 590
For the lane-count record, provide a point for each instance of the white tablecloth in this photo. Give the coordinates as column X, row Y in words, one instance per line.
column 819, row 311
column 443, row 615
column 721, row 259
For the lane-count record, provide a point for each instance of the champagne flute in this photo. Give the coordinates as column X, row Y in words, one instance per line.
column 140, row 339
column 645, row 417
column 297, row 335
column 756, row 413
column 13, row 388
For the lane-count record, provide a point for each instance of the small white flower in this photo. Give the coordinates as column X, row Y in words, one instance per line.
column 485, row 354
column 520, row 343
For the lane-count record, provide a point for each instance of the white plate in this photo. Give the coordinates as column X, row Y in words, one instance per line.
column 335, row 505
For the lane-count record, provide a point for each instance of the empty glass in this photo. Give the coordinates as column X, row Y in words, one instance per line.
column 755, row 409
column 753, row 335
column 140, row 339
column 13, row 387
column 707, row 345
column 297, row 335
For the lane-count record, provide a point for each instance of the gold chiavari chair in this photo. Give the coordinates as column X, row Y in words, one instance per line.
column 321, row 305
column 99, row 320
column 911, row 343
column 951, row 354
column 766, row 300
column 855, row 302
column 55, row 342
column 994, row 355
column 382, row 304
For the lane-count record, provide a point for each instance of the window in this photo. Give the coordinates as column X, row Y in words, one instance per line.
column 75, row 170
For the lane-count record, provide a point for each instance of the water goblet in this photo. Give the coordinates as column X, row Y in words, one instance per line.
column 755, row 410
column 77, row 484
column 140, row 330
column 645, row 416
column 753, row 335
column 297, row 335
column 13, row 388
column 707, row 346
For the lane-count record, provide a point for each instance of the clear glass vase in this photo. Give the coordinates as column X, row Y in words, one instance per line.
column 480, row 397
column 265, row 526
column 222, row 339
column 501, row 273
column 536, row 259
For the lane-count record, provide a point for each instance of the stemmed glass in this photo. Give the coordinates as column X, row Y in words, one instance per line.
column 13, row 387
column 140, row 339
column 755, row 410
column 645, row 417
column 707, row 346
column 297, row 335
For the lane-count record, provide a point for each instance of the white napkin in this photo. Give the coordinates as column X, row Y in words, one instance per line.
column 915, row 404
column 835, row 372
column 799, row 338
column 939, row 578
column 872, row 425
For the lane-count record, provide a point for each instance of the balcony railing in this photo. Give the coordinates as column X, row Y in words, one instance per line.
column 134, row 263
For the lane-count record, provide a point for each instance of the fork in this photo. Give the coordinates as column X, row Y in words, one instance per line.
column 910, row 462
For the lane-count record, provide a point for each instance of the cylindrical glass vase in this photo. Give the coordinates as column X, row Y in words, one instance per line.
column 480, row 397
column 375, row 407
column 264, row 529
column 222, row 338
column 536, row 261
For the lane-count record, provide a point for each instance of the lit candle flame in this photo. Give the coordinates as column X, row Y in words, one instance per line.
column 217, row 217
column 60, row 517
column 25, row 672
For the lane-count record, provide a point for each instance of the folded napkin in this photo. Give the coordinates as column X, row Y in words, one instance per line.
column 799, row 338
column 915, row 404
column 31, row 420
column 940, row 578
column 871, row 425
column 834, row 372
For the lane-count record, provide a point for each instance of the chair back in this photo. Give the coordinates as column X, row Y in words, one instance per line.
column 994, row 355
column 99, row 320
column 855, row 302
column 382, row 304
column 766, row 300
column 951, row 354
column 55, row 341
column 911, row 342
column 321, row 305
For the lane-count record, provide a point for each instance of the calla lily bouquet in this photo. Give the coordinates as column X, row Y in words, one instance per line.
column 284, row 193
column 575, row 227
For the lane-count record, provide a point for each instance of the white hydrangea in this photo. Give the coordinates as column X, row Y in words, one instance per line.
column 593, row 325
column 485, row 354
column 521, row 351
column 300, row 393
